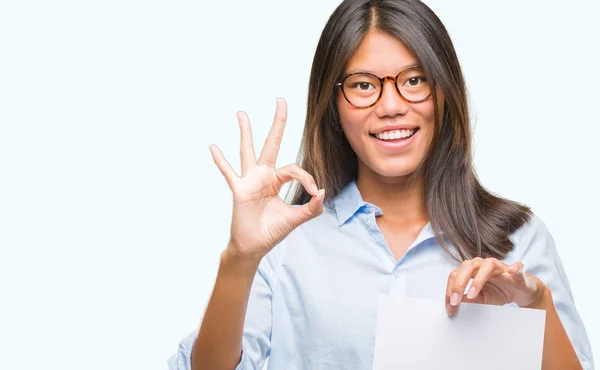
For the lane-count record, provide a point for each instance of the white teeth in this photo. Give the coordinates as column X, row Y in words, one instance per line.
column 395, row 134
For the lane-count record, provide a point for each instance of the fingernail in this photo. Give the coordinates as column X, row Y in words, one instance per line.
column 315, row 189
column 449, row 309
column 471, row 293
column 520, row 270
column 454, row 299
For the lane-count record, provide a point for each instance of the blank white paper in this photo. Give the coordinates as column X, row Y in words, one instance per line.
column 418, row 334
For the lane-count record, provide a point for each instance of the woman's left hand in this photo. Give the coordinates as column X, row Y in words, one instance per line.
column 494, row 282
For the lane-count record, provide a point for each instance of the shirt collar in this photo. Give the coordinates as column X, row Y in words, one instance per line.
column 349, row 201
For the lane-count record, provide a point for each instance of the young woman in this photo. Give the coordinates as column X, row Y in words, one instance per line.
column 387, row 203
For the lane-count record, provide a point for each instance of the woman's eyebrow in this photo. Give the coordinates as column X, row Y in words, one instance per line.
column 372, row 72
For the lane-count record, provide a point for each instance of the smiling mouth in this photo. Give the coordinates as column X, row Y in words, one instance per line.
column 393, row 136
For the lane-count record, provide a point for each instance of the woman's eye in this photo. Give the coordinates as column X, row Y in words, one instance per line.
column 413, row 81
column 362, row 85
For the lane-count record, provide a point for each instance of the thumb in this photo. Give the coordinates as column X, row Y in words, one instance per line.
column 308, row 210
column 517, row 270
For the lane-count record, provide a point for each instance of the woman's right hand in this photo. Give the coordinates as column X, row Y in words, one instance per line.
column 261, row 219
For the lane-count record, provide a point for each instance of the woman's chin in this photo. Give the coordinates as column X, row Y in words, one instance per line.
column 389, row 168
column 395, row 171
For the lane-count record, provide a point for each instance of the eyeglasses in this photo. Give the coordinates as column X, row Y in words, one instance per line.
column 363, row 90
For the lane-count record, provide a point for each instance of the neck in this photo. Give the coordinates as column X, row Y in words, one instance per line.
column 401, row 203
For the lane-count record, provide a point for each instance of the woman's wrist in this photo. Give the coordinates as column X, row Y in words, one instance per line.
column 232, row 260
column 543, row 302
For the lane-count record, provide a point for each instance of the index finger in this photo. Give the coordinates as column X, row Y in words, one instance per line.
column 270, row 151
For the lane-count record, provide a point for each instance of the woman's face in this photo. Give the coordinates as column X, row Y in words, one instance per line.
column 384, row 55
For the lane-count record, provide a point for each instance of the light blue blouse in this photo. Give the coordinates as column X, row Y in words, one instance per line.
column 314, row 299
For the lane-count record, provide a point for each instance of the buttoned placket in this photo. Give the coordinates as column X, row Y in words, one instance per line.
column 395, row 282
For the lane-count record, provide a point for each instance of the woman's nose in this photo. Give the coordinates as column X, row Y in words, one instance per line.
column 391, row 103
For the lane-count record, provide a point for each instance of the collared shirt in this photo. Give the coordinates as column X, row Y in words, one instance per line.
column 313, row 303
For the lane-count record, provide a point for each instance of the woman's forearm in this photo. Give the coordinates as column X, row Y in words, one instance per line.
column 559, row 353
column 219, row 342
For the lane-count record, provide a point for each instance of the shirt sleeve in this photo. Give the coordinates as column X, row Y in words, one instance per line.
column 256, row 339
column 540, row 258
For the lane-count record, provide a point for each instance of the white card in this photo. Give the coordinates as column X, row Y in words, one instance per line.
column 418, row 334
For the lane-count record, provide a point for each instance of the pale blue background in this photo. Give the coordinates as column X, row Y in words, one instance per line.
column 112, row 213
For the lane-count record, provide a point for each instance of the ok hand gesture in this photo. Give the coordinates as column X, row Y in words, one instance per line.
column 261, row 219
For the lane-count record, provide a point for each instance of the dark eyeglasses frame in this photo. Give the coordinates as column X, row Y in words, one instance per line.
column 382, row 80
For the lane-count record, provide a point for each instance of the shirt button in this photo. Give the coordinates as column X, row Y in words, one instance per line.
column 397, row 273
column 368, row 221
